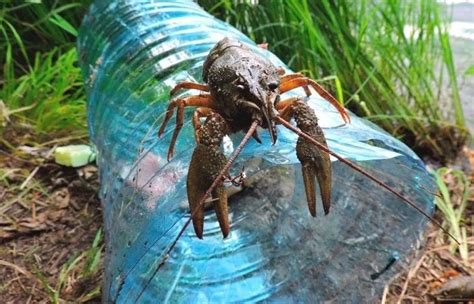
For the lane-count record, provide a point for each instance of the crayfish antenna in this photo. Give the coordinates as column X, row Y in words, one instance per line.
column 365, row 173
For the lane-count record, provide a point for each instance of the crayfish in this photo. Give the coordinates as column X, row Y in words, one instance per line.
column 242, row 92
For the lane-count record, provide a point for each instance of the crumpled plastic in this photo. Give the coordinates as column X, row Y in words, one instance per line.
column 131, row 54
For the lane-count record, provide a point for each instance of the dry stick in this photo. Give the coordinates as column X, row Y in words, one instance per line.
column 363, row 172
column 35, row 170
column 216, row 182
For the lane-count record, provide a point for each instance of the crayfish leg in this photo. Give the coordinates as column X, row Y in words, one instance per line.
column 293, row 81
column 203, row 100
column 189, row 85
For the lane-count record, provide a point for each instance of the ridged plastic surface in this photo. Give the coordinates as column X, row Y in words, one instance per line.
column 132, row 53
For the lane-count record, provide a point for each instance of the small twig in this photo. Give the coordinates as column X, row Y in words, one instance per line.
column 384, row 296
column 410, row 275
column 18, row 280
column 31, row 293
column 17, row 268
column 434, row 274
column 439, row 248
column 16, row 158
column 35, row 170
column 63, row 139
column 16, row 235
column 33, row 210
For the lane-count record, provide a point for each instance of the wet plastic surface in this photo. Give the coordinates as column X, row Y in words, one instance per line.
column 132, row 53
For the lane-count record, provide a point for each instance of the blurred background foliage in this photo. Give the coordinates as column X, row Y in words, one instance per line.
column 41, row 85
column 391, row 59
column 388, row 60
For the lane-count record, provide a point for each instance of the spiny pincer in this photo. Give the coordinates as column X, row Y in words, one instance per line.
column 314, row 162
column 206, row 163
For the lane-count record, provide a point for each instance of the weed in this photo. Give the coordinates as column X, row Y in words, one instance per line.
column 390, row 57
column 38, row 25
column 43, row 90
column 453, row 206
column 78, row 268
column 93, row 255
column 50, row 97
column 469, row 71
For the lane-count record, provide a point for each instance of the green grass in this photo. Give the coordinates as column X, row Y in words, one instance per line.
column 453, row 207
column 79, row 267
column 41, row 86
column 359, row 49
column 469, row 71
column 50, row 97
column 403, row 81
column 40, row 25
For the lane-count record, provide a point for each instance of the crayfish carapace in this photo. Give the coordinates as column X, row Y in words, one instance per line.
column 242, row 92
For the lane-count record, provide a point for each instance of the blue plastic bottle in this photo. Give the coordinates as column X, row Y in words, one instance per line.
column 132, row 53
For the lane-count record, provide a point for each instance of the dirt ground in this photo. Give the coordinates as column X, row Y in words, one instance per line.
column 439, row 274
column 51, row 248
column 47, row 229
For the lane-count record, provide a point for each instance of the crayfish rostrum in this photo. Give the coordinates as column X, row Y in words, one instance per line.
column 242, row 91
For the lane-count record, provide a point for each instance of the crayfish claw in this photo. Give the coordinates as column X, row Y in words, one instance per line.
column 206, row 163
column 324, row 182
column 197, row 210
column 309, row 187
column 315, row 163
column 222, row 211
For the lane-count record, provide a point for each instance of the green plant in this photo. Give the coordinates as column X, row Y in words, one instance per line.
column 54, row 293
column 469, row 71
column 39, row 25
column 93, row 255
column 391, row 58
column 42, row 90
column 82, row 267
column 50, row 97
column 453, row 206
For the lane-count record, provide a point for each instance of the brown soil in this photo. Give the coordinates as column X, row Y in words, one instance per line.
column 436, row 265
column 48, row 227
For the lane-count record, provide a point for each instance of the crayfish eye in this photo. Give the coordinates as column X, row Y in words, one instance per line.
column 273, row 85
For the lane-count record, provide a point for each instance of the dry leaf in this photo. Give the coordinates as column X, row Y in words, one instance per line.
column 61, row 198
